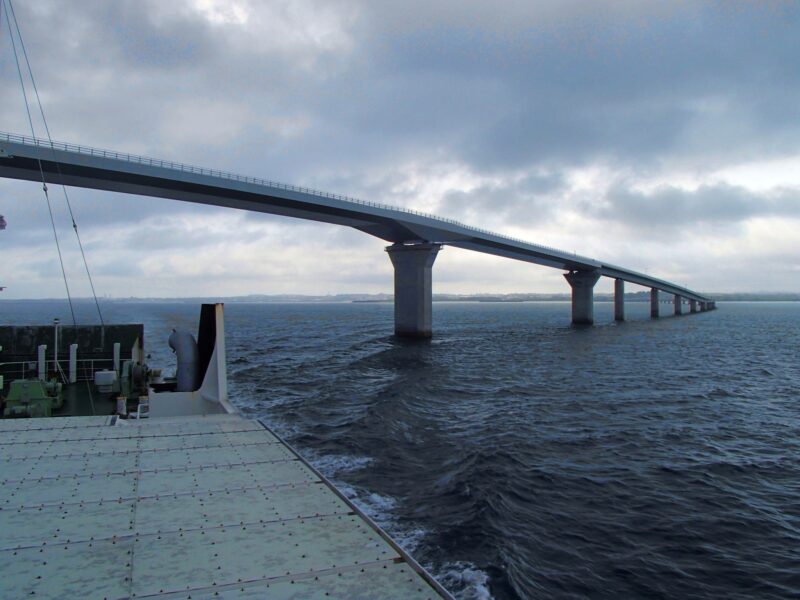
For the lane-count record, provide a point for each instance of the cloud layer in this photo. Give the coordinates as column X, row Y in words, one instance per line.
column 639, row 132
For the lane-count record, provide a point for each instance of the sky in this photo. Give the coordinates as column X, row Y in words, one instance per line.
column 660, row 136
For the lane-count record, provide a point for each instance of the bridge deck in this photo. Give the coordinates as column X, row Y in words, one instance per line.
column 28, row 158
column 200, row 507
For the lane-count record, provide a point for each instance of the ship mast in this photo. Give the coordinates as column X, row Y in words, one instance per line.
column 3, row 225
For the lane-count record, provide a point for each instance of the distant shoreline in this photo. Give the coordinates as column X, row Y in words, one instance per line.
column 387, row 298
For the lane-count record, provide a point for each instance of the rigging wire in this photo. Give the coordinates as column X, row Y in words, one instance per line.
column 41, row 169
column 58, row 167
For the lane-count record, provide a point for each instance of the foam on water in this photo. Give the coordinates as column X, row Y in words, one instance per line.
column 331, row 465
column 462, row 579
column 465, row 581
column 381, row 509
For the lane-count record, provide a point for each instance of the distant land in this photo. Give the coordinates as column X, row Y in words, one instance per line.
column 643, row 296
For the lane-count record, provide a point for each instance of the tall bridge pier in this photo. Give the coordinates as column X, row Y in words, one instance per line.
column 582, row 283
column 619, row 299
column 654, row 303
column 413, row 289
column 678, row 301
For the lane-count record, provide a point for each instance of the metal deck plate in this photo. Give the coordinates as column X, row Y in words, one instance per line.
column 50, row 424
column 54, row 525
column 62, row 448
column 215, row 509
column 182, row 481
column 67, row 466
column 201, row 507
column 201, row 559
column 387, row 581
column 91, row 570
column 73, row 490
column 208, row 440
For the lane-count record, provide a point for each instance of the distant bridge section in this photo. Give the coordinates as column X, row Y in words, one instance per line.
column 416, row 237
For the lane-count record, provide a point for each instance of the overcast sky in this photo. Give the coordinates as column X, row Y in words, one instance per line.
column 661, row 136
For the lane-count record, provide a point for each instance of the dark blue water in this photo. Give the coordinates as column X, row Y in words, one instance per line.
column 519, row 457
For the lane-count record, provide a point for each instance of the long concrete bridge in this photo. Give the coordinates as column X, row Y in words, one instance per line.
column 415, row 237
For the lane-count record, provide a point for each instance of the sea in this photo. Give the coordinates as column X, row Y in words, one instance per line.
column 518, row 456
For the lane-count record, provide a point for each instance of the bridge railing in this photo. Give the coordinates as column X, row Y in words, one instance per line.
column 155, row 162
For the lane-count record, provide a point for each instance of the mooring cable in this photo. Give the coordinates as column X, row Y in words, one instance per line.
column 41, row 169
column 58, row 167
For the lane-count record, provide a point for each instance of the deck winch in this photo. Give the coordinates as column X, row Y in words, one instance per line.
column 32, row 398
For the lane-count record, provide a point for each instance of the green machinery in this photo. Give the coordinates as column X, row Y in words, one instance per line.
column 33, row 398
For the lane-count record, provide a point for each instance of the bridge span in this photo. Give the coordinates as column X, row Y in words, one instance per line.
column 415, row 237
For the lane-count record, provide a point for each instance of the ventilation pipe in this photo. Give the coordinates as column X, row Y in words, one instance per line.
column 185, row 348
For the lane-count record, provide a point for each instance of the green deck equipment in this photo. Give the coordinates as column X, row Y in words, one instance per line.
column 33, row 398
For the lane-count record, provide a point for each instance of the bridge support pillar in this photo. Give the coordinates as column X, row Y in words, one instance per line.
column 678, row 301
column 582, row 283
column 619, row 300
column 413, row 290
column 692, row 306
column 653, row 303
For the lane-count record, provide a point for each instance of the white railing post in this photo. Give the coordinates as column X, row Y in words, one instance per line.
column 42, row 362
column 73, row 363
column 116, row 357
column 56, row 366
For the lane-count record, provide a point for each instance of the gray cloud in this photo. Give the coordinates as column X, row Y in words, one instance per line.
column 588, row 82
column 496, row 88
column 532, row 198
column 670, row 207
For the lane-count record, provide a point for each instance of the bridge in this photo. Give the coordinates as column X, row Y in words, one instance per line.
column 415, row 237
